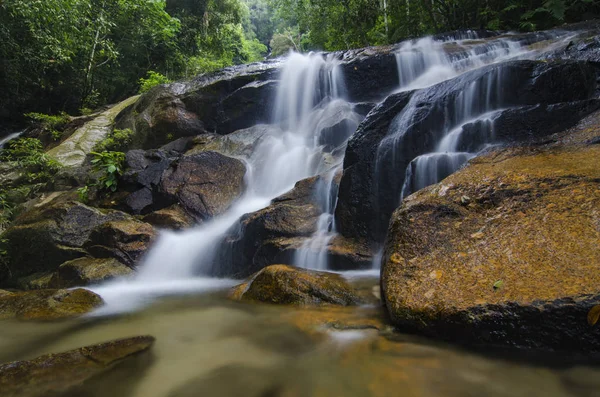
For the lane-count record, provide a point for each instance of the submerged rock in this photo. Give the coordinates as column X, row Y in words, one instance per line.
column 53, row 374
column 503, row 252
column 282, row 284
column 48, row 304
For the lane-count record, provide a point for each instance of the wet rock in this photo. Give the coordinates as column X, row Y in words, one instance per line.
column 555, row 93
column 204, row 184
column 270, row 235
column 48, row 304
column 517, row 264
column 223, row 102
column 125, row 240
column 238, row 143
column 355, row 214
column 173, row 217
column 35, row 281
column 349, row 254
column 88, row 271
column 51, row 233
column 53, row 374
column 282, row 284
column 338, row 122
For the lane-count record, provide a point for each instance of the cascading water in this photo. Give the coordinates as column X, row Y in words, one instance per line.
column 10, row 137
column 310, row 86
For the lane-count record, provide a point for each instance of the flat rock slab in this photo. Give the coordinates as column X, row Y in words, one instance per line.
column 56, row 373
column 505, row 251
column 73, row 151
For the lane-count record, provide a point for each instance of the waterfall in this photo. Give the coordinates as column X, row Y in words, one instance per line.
column 310, row 87
column 10, row 137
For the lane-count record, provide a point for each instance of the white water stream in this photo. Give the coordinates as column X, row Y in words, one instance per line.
column 10, row 137
column 311, row 86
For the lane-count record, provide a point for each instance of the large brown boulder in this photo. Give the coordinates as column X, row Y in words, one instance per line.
column 504, row 251
column 282, row 284
column 54, row 374
column 48, row 304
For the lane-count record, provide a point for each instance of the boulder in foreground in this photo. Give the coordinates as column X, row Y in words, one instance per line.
column 503, row 252
column 57, row 373
column 287, row 285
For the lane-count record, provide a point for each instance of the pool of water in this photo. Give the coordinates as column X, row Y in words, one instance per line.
column 207, row 345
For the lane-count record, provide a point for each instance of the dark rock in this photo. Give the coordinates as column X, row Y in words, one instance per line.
column 204, row 184
column 355, row 213
column 378, row 155
column 47, row 304
column 371, row 76
column 287, row 285
column 88, row 271
column 52, row 233
column 124, row 240
column 54, row 374
column 173, row 217
column 271, row 233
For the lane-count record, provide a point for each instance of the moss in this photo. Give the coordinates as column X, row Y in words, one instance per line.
column 48, row 304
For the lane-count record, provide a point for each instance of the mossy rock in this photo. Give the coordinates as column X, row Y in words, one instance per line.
column 287, row 285
column 503, row 252
column 52, row 374
column 48, row 304
column 88, row 271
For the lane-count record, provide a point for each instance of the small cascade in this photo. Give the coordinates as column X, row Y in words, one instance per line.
column 313, row 253
column 424, row 62
column 309, row 115
column 9, row 137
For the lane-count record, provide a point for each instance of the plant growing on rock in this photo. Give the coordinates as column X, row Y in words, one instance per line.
column 152, row 80
column 117, row 141
column 110, row 166
column 29, row 154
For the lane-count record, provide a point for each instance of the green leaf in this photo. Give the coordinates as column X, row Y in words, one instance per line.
column 111, row 168
column 498, row 285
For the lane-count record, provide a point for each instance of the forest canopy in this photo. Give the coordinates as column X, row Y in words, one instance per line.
column 76, row 55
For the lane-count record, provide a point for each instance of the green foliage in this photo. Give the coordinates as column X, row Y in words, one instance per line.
column 51, row 122
column 29, row 154
column 117, row 141
column 110, row 166
column 152, row 80
column 84, row 194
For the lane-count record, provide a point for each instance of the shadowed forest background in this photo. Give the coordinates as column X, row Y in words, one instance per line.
column 76, row 55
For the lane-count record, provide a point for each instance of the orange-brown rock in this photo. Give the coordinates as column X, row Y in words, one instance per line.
column 282, row 284
column 505, row 251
